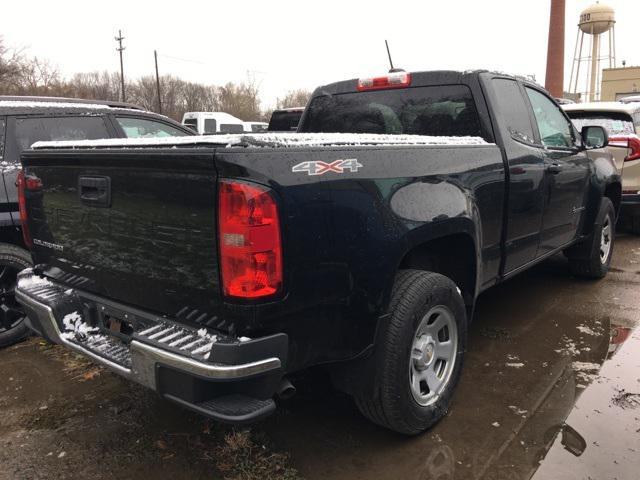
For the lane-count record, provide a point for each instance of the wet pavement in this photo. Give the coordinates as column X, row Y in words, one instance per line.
column 550, row 390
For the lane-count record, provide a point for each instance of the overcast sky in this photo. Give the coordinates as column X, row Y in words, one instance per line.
column 297, row 44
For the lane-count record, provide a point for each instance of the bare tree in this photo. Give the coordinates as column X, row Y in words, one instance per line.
column 294, row 98
column 20, row 75
column 39, row 77
column 241, row 100
column 11, row 64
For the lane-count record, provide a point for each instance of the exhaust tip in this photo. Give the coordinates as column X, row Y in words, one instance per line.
column 286, row 390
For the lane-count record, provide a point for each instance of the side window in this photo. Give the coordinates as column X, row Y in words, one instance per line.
column 143, row 128
column 514, row 109
column 2, row 124
column 210, row 125
column 24, row 132
column 555, row 129
column 231, row 128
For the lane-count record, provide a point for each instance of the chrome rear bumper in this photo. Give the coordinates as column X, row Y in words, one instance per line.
column 139, row 359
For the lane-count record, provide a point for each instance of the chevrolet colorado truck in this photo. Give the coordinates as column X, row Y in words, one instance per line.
column 215, row 269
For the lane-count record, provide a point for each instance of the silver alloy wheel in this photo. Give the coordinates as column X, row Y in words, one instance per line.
column 433, row 355
column 605, row 240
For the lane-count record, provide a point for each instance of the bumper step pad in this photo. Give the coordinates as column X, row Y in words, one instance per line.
column 235, row 408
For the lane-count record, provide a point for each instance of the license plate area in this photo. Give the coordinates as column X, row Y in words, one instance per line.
column 117, row 323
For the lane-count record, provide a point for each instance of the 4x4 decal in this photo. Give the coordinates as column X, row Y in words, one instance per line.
column 320, row 168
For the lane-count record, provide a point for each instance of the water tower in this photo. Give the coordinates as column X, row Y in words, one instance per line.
column 597, row 24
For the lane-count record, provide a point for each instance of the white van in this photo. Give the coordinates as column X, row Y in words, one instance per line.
column 210, row 123
column 255, row 127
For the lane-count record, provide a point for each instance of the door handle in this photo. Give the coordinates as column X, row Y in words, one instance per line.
column 95, row 191
column 554, row 168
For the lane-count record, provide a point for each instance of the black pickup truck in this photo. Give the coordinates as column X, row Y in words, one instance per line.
column 215, row 269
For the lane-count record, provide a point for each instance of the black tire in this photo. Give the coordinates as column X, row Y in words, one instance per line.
column 393, row 405
column 585, row 260
column 13, row 259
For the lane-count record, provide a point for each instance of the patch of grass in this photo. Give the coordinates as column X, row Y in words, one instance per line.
column 240, row 457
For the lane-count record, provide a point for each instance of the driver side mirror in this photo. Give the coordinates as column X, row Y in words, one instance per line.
column 594, row 137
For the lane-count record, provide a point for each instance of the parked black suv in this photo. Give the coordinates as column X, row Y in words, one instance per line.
column 25, row 120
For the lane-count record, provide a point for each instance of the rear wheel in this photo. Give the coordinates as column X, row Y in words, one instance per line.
column 13, row 259
column 593, row 258
column 419, row 353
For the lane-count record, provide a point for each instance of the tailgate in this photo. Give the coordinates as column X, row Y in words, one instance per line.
column 138, row 226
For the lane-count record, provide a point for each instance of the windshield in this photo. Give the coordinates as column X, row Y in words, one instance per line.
column 446, row 110
column 615, row 123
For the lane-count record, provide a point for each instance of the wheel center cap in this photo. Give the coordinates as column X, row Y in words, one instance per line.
column 426, row 352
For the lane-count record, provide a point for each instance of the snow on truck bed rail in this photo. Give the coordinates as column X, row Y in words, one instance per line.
column 285, row 139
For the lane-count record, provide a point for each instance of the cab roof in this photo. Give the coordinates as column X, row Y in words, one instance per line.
column 26, row 105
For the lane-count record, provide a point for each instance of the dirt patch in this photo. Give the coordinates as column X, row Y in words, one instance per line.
column 495, row 333
column 244, row 456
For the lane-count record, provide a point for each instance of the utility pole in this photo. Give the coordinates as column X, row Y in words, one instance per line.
column 120, row 48
column 155, row 54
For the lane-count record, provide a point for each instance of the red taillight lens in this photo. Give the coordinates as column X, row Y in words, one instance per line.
column 25, row 183
column 393, row 80
column 249, row 237
column 631, row 142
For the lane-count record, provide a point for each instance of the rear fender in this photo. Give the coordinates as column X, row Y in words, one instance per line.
column 605, row 181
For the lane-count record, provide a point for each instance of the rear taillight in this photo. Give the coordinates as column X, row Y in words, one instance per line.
column 25, row 183
column 393, row 80
column 249, row 238
column 631, row 142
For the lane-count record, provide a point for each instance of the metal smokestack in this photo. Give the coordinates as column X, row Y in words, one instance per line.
column 554, row 81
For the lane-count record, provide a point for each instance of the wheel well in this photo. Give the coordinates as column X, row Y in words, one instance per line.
column 614, row 193
column 453, row 256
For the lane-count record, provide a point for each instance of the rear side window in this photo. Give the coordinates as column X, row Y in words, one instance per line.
column 210, row 125
column 231, row 128
column 514, row 110
column 615, row 123
column 446, row 110
column 144, row 128
column 24, row 132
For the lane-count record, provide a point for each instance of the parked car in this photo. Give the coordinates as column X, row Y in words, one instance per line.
column 211, row 123
column 285, row 119
column 622, row 122
column 25, row 120
column 365, row 253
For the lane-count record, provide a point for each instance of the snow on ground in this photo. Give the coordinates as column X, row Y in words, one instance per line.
column 283, row 139
column 514, row 364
